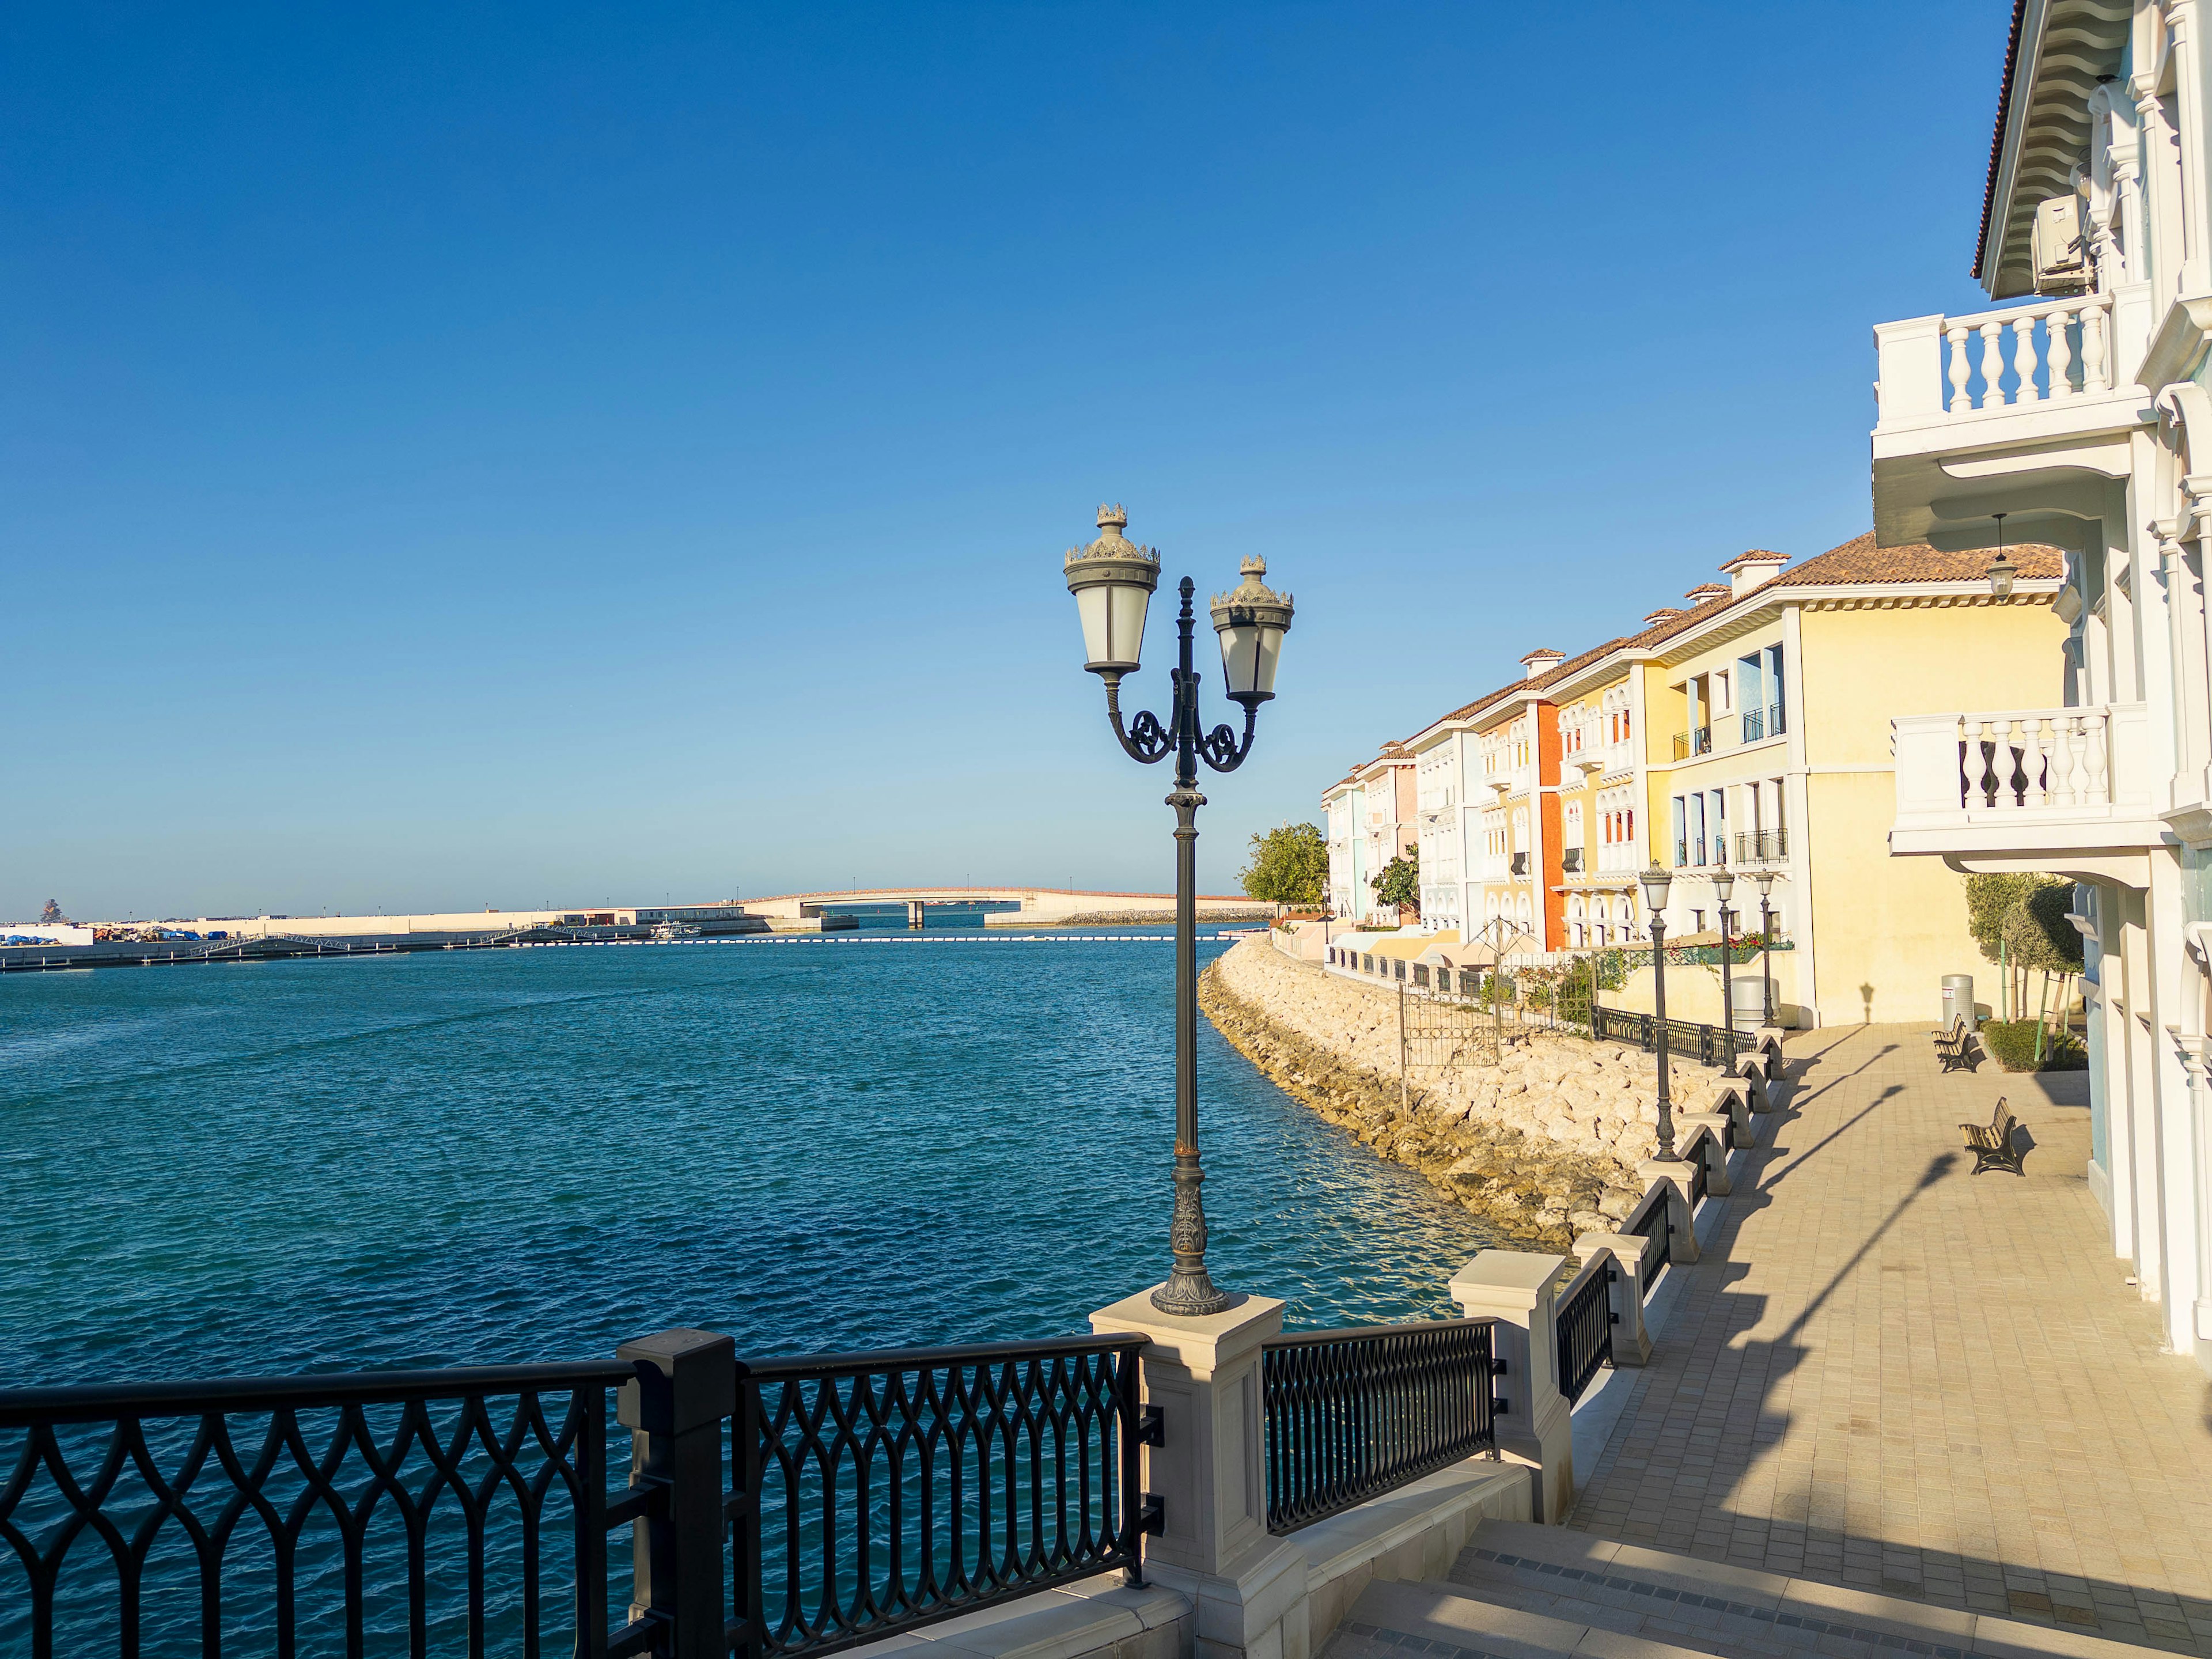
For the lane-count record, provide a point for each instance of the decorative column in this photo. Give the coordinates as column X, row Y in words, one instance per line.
column 1248, row 1589
column 1533, row 1425
column 2181, row 20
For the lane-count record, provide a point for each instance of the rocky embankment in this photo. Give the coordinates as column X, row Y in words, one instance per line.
column 1545, row 1143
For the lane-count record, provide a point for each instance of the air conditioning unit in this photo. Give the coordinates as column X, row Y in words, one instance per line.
column 2062, row 256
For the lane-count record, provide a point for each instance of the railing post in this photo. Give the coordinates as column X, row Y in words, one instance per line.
column 1713, row 1147
column 1209, row 1470
column 1632, row 1340
column 1682, row 1236
column 685, row 1390
column 1534, row 1422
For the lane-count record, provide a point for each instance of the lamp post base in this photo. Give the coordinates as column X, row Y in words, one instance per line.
column 1190, row 1294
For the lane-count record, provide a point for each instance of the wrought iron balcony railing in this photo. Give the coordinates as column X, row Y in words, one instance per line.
column 1697, row 741
column 1520, row 864
column 1759, row 724
column 1353, row 1414
column 1570, row 861
column 1762, row 846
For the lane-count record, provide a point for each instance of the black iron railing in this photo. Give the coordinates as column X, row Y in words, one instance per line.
column 468, row 1512
column 1657, row 1233
column 1585, row 1332
column 1762, row 846
column 1697, row 1177
column 454, row 1511
column 1698, row 740
column 1759, row 724
column 889, row 1491
column 1709, row 1045
column 1352, row 1414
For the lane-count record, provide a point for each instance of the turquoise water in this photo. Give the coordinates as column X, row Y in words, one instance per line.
column 501, row 1156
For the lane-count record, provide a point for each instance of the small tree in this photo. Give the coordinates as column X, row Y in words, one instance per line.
column 2039, row 937
column 1400, row 884
column 1288, row 865
column 1991, row 899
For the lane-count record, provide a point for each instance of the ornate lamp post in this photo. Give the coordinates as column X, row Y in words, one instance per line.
column 1724, row 885
column 1656, row 882
column 1766, row 880
column 1113, row 581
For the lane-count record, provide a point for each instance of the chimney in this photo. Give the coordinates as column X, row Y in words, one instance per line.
column 1665, row 613
column 1541, row 662
column 1705, row 593
column 1749, row 569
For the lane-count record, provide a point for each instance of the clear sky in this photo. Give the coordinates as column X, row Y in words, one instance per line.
column 457, row 457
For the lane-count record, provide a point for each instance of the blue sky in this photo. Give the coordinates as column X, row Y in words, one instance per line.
column 458, row 456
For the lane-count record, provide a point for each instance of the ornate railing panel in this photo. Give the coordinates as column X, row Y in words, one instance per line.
column 454, row 1511
column 1709, row 1045
column 1658, row 1234
column 1584, row 1319
column 876, row 1492
column 1353, row 1413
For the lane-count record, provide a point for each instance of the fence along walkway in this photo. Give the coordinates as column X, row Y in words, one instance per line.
column 1919, row 1383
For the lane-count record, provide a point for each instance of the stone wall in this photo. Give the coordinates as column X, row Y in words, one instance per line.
column 1545, row 1143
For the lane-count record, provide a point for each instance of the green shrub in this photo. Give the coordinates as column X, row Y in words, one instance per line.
column 2011, row 1044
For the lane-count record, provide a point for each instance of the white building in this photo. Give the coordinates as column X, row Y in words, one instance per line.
column 1371, row 821
column 2075, row 409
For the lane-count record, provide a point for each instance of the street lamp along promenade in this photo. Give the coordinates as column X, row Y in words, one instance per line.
column 1113, row 581
column 1657, row 881
column 1766, row 880
column 1723, row 886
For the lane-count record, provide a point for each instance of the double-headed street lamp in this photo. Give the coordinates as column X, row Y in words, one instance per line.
column 1656, row 882
column 1113, row 581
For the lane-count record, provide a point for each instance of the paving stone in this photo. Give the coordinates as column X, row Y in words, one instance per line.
column 1875, row 1375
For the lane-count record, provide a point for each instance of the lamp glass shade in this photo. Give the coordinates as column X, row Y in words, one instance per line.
column 2001, row 571
column 1112, row 579
column 1764, row 882
column 1724, row 884
column 1656, row 882
column 1251, row 619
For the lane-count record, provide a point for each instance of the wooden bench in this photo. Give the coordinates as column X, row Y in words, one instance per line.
column 1955, row 1048
column 1992, row 1143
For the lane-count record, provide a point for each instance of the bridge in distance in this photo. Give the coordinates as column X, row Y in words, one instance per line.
column 1040, row 905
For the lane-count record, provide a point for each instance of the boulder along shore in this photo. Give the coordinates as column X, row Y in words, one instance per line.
column 1544, row 1143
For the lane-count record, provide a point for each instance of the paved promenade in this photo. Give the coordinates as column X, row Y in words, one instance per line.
column 1892, row 1374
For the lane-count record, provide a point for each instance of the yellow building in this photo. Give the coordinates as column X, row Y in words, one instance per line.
column 1746, row 729
column 1767, row 748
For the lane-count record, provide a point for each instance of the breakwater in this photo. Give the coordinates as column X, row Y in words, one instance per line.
column 1545, row 1143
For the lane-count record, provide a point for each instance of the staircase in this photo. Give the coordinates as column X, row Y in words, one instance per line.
column 1527, row 1592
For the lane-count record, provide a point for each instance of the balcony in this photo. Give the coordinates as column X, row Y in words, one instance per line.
column 2042, row 394
column 1690, row 853
column 1698, row 741
column 1762, row 846
column 1570, row 861
column 1520, row 864
column 2066, row 790
column 1760, row 724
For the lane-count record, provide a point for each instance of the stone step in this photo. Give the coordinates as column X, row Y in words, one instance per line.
column 1627, row 1590
column 1420, row 1620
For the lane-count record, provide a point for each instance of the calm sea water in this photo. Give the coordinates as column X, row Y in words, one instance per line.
column 501, row 1156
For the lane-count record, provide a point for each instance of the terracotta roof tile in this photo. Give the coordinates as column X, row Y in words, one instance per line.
column 1859, row 560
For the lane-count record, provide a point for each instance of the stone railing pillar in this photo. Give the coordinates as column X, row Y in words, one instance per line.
column 1248, row 1589
column 1515, row 1288
column 1713, row 1148
column 1632, row 1338
column 1733, row 1102
column 1682, row 1238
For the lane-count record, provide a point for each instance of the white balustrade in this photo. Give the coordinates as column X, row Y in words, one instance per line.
column 2041, row 763
column 2043, row 353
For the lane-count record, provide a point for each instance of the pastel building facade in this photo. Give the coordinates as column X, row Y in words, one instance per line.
column 2074, row 408
column 1746, row 730
column 1370, row 819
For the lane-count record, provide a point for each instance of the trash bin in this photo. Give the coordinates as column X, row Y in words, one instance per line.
column 1958, row 1000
